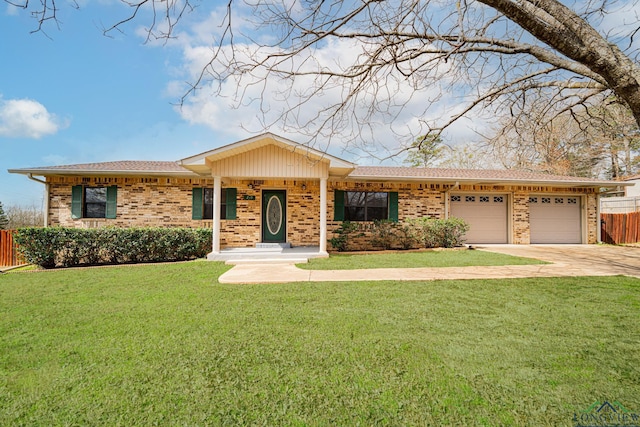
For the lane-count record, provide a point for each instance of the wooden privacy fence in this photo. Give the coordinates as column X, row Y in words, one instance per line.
column 620, row 227
column 9, row 256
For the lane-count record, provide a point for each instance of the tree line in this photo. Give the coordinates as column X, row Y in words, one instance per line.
column 604, row 142
column 14, row 217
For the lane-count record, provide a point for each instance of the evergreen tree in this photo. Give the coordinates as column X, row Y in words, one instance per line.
column 4, row 221
column 424, row 151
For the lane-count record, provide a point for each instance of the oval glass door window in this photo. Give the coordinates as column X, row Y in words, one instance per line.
column 274, row 215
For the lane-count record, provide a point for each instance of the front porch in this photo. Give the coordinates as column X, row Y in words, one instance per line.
column 285, row 202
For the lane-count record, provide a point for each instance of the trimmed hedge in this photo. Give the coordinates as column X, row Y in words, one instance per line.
column 439, row 233
column 68, row 247
column 411, row 234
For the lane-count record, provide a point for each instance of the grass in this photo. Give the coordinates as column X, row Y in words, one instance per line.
column 169, row 345
column 437, row 258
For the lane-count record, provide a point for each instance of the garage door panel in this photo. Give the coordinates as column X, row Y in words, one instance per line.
column 555, row 219
column 486, row 215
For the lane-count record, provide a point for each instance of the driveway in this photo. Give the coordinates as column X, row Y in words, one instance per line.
column 590, row 260
column 567, row 260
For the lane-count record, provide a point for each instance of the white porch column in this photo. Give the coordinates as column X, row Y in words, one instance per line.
column 323, row 215
column 217, row 192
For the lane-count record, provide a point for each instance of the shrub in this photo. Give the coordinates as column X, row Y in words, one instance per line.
column 343, row 233
column 452, row 232
column 59, row 246
column 439, row 233
column 384, row 233
column 405, row 235
column 39, row 245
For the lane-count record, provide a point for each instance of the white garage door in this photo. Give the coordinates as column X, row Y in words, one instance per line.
column 486, row 215
column 555, row 219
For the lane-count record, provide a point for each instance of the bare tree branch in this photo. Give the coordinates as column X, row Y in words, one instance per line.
column 490, row 55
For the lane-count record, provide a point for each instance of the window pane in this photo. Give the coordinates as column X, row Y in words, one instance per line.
column 377, row 200
column 355, row 198
column 208, row 196
column 365, row 206
column 352, row 213
column 95, row 195
column 95, row 202
column 223, row 204
column 207, row 203
column 95, row 210
column 207, row 211
column 376, row 213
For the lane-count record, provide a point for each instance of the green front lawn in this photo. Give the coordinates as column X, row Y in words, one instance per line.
column 436, row 258
column 169, row 345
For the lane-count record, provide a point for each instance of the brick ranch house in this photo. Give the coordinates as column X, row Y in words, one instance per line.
column 270, row 189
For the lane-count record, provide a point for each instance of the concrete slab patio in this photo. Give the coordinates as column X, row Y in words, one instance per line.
column 566, row 260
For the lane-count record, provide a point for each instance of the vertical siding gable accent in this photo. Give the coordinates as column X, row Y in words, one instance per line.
column 76, row 201
column 338, row 205
column 196, row 203
column 393, row 206
column 271, row 161
column 112, row 202
column 232, row 195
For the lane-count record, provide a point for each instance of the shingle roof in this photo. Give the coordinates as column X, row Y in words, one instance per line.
column 169, row 168
column 460, row 174
column 124, row 166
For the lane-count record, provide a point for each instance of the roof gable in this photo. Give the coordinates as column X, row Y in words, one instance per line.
column 202, row 163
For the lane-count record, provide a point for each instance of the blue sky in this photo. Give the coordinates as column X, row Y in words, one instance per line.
column 73, row 95
column 77, row 96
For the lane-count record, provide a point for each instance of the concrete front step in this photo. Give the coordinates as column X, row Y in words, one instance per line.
column 273, row 245
column 268, row 254
column 267, row 261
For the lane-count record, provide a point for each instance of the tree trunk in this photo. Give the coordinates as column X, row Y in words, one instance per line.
column 563, row 30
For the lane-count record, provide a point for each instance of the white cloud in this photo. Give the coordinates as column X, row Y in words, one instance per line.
column 26, row 118
column 380, row 121
column 12, row 10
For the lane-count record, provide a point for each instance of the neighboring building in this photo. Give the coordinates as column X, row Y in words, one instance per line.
column 634, row 189
column 272, row 189
column 625, row 200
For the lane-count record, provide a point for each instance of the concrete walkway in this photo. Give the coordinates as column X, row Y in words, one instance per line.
column 567, row 260
column 11, row 267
